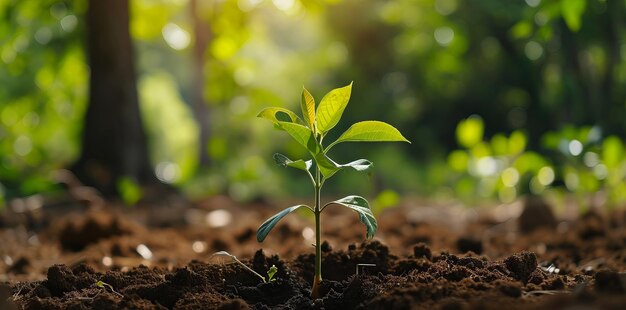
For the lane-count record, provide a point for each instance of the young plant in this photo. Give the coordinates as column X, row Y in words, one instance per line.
column 105, row 285
column 271, row 273
column 310, row 133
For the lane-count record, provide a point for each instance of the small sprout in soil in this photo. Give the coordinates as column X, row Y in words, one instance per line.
column 310, row 131
column 234, row 258
column 105, row 285
column 271, row 273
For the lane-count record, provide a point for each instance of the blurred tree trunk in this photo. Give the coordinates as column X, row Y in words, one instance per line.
column 113, row 141
column 612, row 95
column 202, row 36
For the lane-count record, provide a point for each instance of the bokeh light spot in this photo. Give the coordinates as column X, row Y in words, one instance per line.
column 510, row 177
column 175, row 36
column 167, row 172
column 43, row 35
column 533, row 50
column 144, row 251
column 486, row 166
column 601, row 171
column 69, row 23
column 219, row 218
column 22, row 145
column 308, row 233
column 199, row 246
column 572, row 181
column 545, row 176
column 591, row 159
column 444, row 36
column 533, row 3
column 445, row 7
column 575, row 147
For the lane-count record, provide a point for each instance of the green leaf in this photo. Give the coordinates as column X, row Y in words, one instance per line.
column 284, row 161
column 522, row 30
column 362, row 208
column 469, row 131
column 276, row 114
column 129, row 190
column 307, row 103
column 612, row 152
column 302, row 135
column 572, row 11
column 331, row 108
column 359, row 165
column 328, row 167
column 271, row 272
column 370, row 131
column 267, row 226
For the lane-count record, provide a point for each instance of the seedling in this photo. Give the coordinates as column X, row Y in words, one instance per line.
column 271, row 273
column 310, row 133
column 105, row 285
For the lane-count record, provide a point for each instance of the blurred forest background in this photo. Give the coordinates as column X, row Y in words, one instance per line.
column 500, row 98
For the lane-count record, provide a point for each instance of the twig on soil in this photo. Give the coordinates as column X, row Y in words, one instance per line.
column 363, row 265
column 234, row 258
column 17, row 296
column 545, row 292
column 88, row 298
column 590, row 265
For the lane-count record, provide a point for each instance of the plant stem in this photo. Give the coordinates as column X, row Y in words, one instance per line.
column 318, row 237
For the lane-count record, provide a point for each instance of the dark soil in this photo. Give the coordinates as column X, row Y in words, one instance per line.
column 478, row 260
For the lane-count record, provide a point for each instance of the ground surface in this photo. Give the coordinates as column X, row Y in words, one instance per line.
column 425, row 257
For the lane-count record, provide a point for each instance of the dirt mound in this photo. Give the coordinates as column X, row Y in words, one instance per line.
column 78, row 232
column 422, row 281
column 419, row 259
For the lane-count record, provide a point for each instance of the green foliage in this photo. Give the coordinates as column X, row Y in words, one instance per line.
column 588, row 165
column 267, row 226
column 44, row 84
column 283, row 161
column 310, row 135
column 278, row 115
column 362, row 208
column 174, row 151
column 271, row 273
column 369, row 131
column 129, row 190
column 470, row 131
column 307, row 103
column 574, row 160
column 385, row 199
column 500, row 168
column 527, row 68
column 327, row 116
column 572, row 11
column 331, row 108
